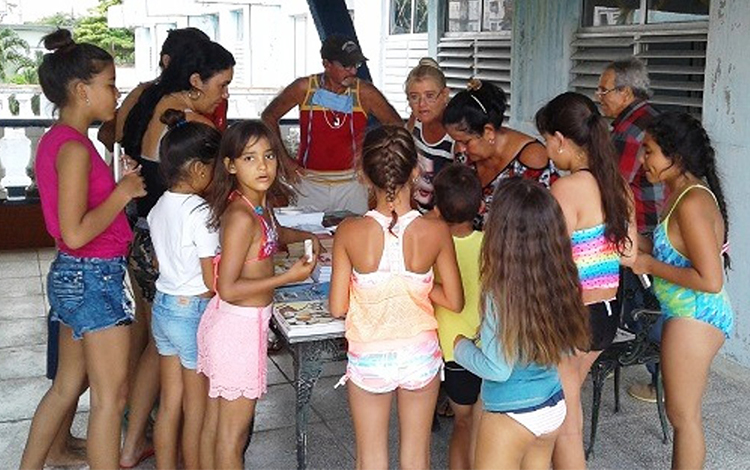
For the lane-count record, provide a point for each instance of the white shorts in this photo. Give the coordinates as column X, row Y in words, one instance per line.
column 330, row 191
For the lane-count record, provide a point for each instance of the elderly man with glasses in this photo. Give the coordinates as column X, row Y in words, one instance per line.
column 334, row 107
column 623, row 93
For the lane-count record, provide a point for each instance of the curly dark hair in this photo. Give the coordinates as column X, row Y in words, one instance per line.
column 388, row 158
column 529, row 276
column 686, row 143
column 577, row 118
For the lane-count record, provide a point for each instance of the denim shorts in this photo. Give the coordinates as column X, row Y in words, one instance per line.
column 88, row 294
column 174, row 325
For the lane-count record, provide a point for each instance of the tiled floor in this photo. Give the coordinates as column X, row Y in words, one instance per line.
column 627, row 440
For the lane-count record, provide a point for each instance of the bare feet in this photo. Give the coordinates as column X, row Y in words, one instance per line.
column 130, row 458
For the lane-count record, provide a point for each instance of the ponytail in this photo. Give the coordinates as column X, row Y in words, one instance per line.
column 576, row 117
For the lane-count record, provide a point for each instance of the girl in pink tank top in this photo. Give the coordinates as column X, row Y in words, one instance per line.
column 383, row 282
column 83, row 211
column 233, row 331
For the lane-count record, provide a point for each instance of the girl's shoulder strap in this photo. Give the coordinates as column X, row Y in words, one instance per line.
column 683, row 193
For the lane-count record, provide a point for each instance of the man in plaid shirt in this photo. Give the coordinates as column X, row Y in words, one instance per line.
column 623, row 93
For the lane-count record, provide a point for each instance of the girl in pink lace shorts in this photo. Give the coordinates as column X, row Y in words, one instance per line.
column 233, row 332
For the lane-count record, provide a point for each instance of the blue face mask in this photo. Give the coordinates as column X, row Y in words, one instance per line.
column 333, row 101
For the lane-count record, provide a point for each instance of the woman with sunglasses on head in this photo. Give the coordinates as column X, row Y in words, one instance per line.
column 428, row 95
column 474, row 119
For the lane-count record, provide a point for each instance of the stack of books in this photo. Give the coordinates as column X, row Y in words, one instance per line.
column 302, row 311
column 322, row 271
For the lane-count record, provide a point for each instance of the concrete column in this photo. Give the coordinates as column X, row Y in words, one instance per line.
column 3, row 191
column 726, row 111
column 34, row 134
column 435, row 25
column 540, row 64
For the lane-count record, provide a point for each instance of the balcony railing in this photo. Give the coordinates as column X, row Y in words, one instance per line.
column 19, row 140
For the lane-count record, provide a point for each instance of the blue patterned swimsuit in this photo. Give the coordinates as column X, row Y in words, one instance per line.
column 681, row 302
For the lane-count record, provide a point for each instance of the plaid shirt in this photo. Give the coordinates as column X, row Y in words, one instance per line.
column 628, row 132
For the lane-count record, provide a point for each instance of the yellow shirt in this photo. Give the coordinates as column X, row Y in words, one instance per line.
column 451, row 324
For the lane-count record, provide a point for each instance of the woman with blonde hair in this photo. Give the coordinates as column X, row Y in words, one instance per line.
column 428, row 95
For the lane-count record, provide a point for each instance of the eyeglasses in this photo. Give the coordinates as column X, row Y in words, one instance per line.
column 605, row 91
column 430, row 97
column 353, row 66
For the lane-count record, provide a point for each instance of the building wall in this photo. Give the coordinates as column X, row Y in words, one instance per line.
column 726, row 107
column 540, row 65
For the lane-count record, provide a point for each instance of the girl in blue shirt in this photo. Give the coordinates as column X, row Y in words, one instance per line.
column 532, row 316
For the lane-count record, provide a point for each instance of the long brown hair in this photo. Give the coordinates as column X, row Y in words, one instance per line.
column 529, row 276
column 233, row 143
column 388, row 158
column 576, row 117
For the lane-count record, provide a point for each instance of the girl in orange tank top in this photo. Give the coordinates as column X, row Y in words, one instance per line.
column 383, row 282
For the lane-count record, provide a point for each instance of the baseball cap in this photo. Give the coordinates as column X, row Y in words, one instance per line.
column 343, row 50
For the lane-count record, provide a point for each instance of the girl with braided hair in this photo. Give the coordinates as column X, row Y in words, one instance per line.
column 383, row 281
column 686, row 262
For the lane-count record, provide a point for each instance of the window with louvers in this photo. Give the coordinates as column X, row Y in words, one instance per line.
column 675, row 58
column 485, row 56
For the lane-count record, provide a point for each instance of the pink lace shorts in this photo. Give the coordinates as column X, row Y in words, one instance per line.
column 410, row 367
column 233, row 349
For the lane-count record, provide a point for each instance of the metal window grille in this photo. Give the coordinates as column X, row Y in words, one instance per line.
column 485, row 56
column 675, row 58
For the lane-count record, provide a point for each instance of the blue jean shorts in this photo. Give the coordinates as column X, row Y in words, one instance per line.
column 174, row 324
column 88, row 294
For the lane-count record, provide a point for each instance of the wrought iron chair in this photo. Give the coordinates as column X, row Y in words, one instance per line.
column 635, row 349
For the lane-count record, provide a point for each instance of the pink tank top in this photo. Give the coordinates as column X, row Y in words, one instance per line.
column 115, row 239
column 392, row 302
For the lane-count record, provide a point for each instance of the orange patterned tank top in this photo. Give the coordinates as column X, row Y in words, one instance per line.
column 392, row 302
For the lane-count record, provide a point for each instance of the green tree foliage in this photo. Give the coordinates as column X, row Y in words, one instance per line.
column 60, row 20
column 12, row 52
column 26, row 72
column 120, row 42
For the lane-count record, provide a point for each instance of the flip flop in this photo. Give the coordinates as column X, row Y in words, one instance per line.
column 146, row 454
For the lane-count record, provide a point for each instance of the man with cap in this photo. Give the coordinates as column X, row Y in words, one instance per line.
column 334, row 107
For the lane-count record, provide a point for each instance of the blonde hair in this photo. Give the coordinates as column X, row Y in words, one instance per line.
column 427, row 68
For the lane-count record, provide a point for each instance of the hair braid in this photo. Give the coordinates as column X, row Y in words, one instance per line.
column 388, row 158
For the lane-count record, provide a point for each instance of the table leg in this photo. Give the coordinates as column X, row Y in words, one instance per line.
column 307, row 370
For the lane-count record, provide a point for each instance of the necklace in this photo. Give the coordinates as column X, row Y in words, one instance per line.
column 257, row 209
column 338, row 121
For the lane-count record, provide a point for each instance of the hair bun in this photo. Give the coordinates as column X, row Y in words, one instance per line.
column 429, row 62
column 474, row 84
column 60, row 39
column 173, row 118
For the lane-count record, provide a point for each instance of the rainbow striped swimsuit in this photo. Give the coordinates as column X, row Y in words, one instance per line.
column 596, row 257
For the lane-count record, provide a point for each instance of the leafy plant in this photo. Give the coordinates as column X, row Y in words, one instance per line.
column 120, row 42
column 13, row 105
column 12, row 51
column 36, row 104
